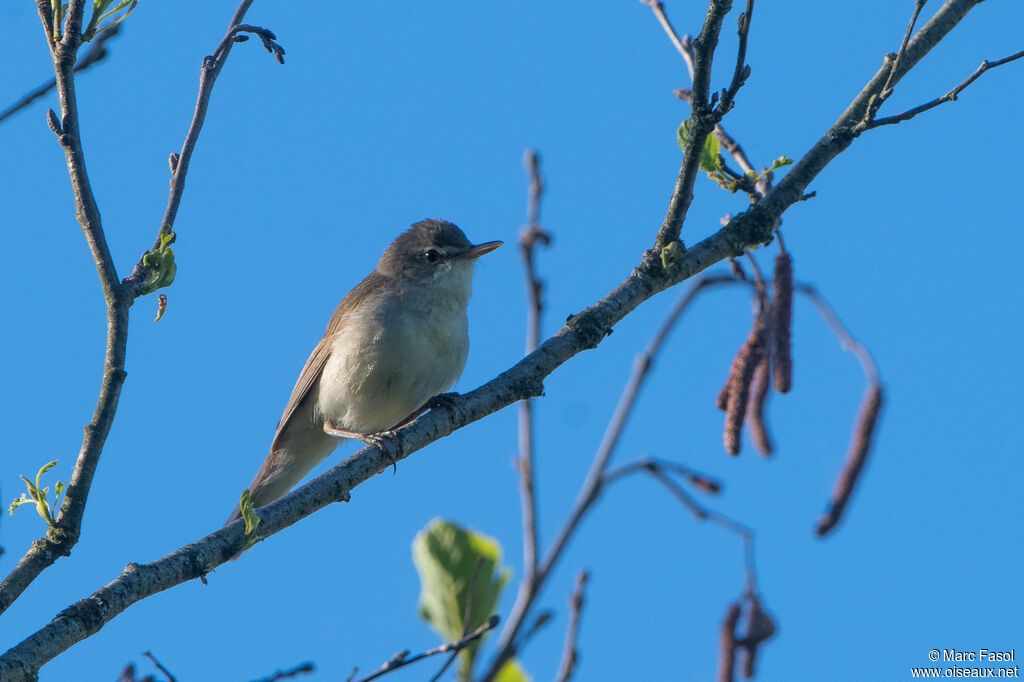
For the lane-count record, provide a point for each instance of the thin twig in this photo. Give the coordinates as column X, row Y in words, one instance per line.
column 60, row 539
column 570, row 653
column 727, row 141
column 702, row 122
column 591, row 486
column 887, row 88
column 950, row 96
column 701, row 481
column 846, row 339
column 657, row 468
column 301, row 669
column 97, row 52
column 659, row 12
column 160, row 667
column 211, row 68
column 400, row 661
column 742, row 70
column 119, row 296
column 531, row 235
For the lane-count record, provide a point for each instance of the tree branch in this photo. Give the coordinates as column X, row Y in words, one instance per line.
column 119, row 297
column 582, row 332
column 61, row 537
column 702, row 123
column 211, row 68
column 403, row 659
column 950, row 96
column 531, row 235
column 570, row 654
column 97, row 52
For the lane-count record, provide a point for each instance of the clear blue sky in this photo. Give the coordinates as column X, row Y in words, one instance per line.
column 386, row 113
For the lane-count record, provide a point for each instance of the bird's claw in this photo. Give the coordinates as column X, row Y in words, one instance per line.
column 443, row 400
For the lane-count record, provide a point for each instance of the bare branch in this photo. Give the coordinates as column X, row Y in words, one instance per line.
column 531, row 235
column 301, row 669
column 211, row 68
column 60, row 539
column 887, row 88
column 685, row 50
column 403, row 659
column 846, row 339
column 159, row 666
column 570, row 654
column 658, row 468
column 592, row 484
column 97, row 52
column 702, row 122
column 742, row 70
column 950, row 96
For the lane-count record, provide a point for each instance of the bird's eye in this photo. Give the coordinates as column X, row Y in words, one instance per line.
column 432, row 256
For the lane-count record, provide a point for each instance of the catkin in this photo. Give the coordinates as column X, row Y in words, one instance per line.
column 755, row 410
column 740, row 376
column 782, row 324
column 727, row 643
column 860, row 444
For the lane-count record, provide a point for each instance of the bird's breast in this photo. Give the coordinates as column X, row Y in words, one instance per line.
column 389, row 357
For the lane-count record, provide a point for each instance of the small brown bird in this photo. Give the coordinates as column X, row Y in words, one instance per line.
column 394, row 342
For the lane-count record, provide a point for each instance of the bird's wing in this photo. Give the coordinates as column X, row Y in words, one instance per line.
column 314, row 366
column 309, row 376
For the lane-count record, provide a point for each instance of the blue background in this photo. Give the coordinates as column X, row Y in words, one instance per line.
column 386, row 113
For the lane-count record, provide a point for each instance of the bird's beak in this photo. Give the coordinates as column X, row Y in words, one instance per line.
column 478, row 250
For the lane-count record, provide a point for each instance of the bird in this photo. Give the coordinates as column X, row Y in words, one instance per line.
column 397, row 340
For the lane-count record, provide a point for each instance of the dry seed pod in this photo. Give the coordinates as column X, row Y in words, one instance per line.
column 723, row 396
column 727, row 643
column 755, row 410
column 740, row 376
column 737, row 269
column 708, row 485
column 864, row 431
column 760, row 627
column 782, row 324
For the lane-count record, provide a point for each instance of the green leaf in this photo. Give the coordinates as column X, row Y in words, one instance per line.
column 709, row 159
column 37, row 493
column 162, row 267
column 512, row 671
column 710, row 162
column 446, row 558
column 670, row 254
column 24, row 499
column 130, row 4
column 683, row 134
column 46, row 467
column 252, row 519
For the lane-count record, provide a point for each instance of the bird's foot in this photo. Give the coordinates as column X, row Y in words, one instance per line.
column 443, row 400
column 383, row 440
